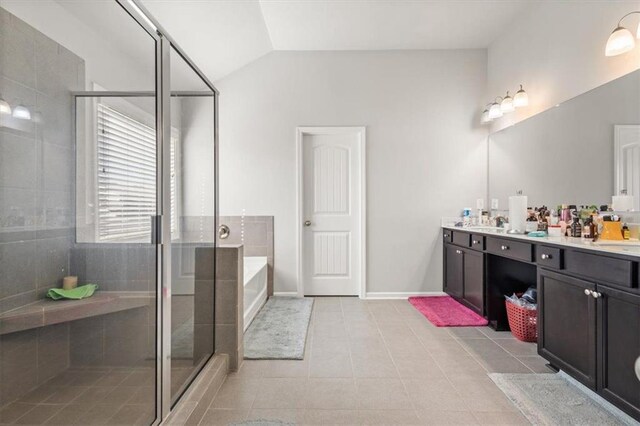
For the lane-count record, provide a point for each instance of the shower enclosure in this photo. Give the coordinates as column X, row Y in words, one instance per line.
column 108, row 172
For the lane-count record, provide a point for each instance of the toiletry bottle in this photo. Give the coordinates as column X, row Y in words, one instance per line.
column 626, row 234
column 586, row 229
column 576, row 227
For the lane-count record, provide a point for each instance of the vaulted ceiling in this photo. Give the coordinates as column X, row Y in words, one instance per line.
column 222, row 36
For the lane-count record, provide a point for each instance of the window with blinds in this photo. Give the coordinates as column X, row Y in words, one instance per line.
column 127, row 177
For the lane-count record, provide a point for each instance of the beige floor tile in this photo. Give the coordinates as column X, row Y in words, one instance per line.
column 501, row 418
column 330, row 365
column 456, row 364
column 389, row 417
column 128, row 415
column 449, row 418
column 508, row 364
column 287, row 368
column 280, row 393
column 470, row 387
column 436, row 394
column 236, row 393
column 490, row 402
column 466, row 333
column 331, row 394
column 537, row 364
column 444, row 347
column 413, row 367
column 492, row 334
column 485, row 348
column 276, row 415
column 374, row 364
column 367, row 345
column 216, row 416
column 39, row 414
column 69, row 415
column 10, row 413
column 517, row 348
column 251, row 369
column 382, row 394
column 332, row 417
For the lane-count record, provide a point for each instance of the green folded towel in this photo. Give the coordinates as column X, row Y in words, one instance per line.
column 77, row 293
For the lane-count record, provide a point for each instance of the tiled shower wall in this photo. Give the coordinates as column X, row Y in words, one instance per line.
column 36, row 162
column 255, row 233
column 36, row 195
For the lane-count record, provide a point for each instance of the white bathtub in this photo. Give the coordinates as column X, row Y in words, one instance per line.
column 255, row 287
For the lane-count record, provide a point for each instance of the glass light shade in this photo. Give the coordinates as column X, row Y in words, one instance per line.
column 495, row 111
column 521, row 99
column 620, row 41
column 638, row 32
column 507, row 104
column 485, row 116
column 22, row 113
column 5, row 108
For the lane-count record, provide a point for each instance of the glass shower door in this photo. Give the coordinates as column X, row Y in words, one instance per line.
column 192, row 191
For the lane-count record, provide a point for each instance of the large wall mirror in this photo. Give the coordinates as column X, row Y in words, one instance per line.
column 581, row 152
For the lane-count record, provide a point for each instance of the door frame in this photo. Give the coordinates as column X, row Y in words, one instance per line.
column 618, row 129
column 301, row 132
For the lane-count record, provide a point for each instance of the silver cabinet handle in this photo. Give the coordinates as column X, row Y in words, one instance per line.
column 504, row 248
column 596, row 295
column 587, row 291
column 476, row 242
column 459, row 251
column 545, row 256
column 446, row 235
column 307, row 223
column 223, row 232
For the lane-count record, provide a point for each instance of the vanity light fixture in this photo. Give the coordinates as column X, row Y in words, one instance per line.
column 521, row 99
column 5, row 108
column 495, row 111
column 485, row 115
column 621, row 40
column 507, row 104
column 22, row 113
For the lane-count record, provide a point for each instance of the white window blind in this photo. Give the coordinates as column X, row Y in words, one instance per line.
column 127, row 177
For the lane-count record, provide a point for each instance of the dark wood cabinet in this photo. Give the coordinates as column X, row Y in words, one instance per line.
column 567, row 325
column 618, row 348
column 454, row 271
column 473, row 289
column 464, row 276
column 588, row 304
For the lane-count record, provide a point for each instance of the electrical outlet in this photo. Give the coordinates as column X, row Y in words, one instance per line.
column 494, row 204
column 480, row 203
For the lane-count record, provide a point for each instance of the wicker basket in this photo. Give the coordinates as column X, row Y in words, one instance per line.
column 523, row 322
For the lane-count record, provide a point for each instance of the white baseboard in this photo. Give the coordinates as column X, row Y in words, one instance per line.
column 285, row 293
column 402, row 295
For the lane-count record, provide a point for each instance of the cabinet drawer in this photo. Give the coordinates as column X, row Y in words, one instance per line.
column 477, row 242
column 513, row 249
column 600, row 268
column 549, row 257
column 447, row 235
column 462, row 239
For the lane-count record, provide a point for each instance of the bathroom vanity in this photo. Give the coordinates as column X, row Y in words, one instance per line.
column 588, row 300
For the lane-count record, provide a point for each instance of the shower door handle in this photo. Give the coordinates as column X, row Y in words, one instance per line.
column 307, row 223
column 223, row 232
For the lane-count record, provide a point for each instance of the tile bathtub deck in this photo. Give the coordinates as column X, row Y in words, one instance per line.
column 380, row 362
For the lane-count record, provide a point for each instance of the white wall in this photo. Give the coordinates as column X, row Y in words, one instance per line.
column 556, row 50
column 426, row 158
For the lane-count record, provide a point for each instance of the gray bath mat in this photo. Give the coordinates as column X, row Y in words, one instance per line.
column 557, row 399
column 279, row 331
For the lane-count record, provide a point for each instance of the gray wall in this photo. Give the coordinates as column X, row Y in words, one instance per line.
column 565, row 155
column 36, row 162
column 426, row 153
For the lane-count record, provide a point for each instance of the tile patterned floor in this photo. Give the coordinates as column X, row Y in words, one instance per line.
column 380, row 362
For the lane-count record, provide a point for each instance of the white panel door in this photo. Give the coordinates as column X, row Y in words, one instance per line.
column 331, row 213
column 627, row 161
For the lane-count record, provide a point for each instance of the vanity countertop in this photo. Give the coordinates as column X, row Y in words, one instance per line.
column 629, row 248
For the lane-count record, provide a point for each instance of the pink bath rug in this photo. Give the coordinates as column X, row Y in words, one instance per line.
column 444, row 311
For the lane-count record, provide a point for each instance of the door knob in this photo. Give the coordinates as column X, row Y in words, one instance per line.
column 307, row 223
column 223, row 232
column 504, row 247
column 459, row 251
column 595, row 294
column 545, row 256
column 587, row 291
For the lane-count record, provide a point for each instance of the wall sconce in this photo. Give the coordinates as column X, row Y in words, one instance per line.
column 501, row 106
column 621, row 40
column 5, row 108
column 22, row 112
